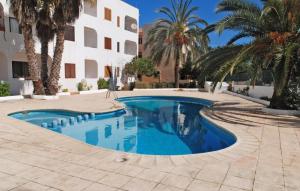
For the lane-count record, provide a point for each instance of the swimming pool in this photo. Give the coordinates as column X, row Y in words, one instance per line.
column 152, row 125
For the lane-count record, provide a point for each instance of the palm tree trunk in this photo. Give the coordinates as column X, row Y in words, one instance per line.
column 281, row 83
column 177, row 68
column 33, row 67
column 44, row 60
column 53, row 80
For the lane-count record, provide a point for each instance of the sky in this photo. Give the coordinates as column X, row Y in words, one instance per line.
column 206, row 11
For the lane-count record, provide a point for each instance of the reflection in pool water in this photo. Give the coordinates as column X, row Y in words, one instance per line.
column 149, row 125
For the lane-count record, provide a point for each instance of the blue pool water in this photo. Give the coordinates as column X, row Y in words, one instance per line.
column 148, row 125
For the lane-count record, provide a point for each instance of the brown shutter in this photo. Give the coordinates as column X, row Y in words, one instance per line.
column 118, row 21
column 70, row 71
column 107, row 14
column 107, row 43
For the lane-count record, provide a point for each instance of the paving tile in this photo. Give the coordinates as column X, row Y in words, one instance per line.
column 11, row 182
column 270, row 176
column 11, row 167
column 213, row 173
column 185, row 171
column 177, row 181
column 162, row 187
column 266, row 187
column 229, row 188
column 237, row 182
column 139, row 184
column 115, row 180
column 199, row 185
column 63, row 182
column 33, row 173
column 129, row 170
column 292, row 182
column 99, row 187
column 31, row 186
column 152, row 175
column 92, row 174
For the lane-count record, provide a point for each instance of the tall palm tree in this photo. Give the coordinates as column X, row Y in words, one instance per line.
column 25, row 12
column 45, row 29
column 176, row 35
column 65, row 12
column 273, row 43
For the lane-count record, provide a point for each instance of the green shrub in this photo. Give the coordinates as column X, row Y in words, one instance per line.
column 4, row 89
column 83, row 86
column 102, row 84
column 65, row 90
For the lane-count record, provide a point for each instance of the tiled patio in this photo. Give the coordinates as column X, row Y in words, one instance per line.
column 266, row 156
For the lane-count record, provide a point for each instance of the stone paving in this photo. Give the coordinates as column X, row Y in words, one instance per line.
column 266, row 156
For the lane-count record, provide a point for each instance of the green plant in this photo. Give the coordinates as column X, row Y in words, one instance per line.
column 65, row 90
column 176, row 35
column 139, row 67
column 4, row 89
column 83, row 86
column 102, row 84
column 274, row 45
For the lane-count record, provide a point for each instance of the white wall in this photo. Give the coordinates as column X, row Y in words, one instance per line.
column 257, row 91
column 76, row 52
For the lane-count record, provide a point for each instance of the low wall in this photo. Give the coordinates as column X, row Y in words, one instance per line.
column 257, row 91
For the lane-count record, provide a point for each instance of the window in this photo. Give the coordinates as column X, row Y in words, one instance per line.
column 14, row 26
column 131, row 24
column 130, row 48
column 107, row 43
column 90, row 38
column 140, row 40
column 20, row 69
column 90, row 8
column 118, row 21
column 2, row 24
column 91, row 69
column 107, row 71
column 70, row 33
column 118, row 46
column 70, row 71
column 107, row 14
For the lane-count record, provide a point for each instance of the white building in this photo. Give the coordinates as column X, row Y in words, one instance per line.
column 104, row 37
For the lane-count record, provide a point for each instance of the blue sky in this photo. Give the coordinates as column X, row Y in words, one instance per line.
column 206, row 11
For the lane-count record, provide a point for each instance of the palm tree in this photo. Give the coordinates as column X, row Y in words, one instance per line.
column 45, row 28
column 176, row 35
column 65, row 12
column 273, row 42
column 25, row 12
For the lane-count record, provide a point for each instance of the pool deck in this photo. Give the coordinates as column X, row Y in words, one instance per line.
column 266, row 156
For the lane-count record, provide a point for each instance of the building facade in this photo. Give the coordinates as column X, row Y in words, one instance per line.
column 101, row 41
column 166, row 70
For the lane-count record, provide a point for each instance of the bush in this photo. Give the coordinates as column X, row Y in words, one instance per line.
column 65, row 90
column 4, row 89
column 83, row 86
column 102, row 84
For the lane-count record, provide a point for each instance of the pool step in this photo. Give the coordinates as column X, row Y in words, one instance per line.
column 70, row 121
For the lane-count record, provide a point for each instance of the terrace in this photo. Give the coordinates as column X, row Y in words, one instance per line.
column 265, row 157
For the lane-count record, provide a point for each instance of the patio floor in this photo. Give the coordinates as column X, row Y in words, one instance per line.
column 266, row 156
